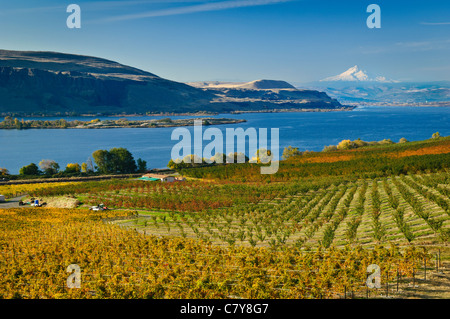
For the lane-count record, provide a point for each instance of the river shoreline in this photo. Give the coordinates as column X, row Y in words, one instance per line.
column 291, row 110
column 109, row 124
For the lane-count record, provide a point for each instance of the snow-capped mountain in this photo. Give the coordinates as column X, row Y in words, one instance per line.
column 355, row 74
column 358, row 87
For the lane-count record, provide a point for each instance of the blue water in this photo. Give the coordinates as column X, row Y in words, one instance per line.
column 307, row 131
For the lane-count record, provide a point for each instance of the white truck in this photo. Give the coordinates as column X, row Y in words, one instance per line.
column 99, row 207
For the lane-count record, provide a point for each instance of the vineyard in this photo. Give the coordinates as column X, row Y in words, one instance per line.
column 37, row 246
column 187, row 196
column 17, row 190
column 309, row 231
column 320, row 211
column 400, row 210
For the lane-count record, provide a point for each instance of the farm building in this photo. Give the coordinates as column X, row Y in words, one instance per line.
column 149, row 179
column 162, row 178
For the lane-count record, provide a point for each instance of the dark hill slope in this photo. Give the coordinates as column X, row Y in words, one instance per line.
column 59, row 83
column 49, row 82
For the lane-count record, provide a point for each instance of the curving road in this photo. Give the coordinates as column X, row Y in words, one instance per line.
column 11, row 203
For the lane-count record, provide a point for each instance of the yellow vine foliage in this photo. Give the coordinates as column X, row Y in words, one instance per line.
column 19, row 189
column 38, row 244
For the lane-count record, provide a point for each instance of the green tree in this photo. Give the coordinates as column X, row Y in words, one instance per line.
column 17, row 124
column 290, row 152
column 385, row 141
column 141, row 165
column 122, row 161
column 237, row 157
column 102, row 159
column 360, row 143
column 346, row 145
column 49, row 167
column 177, row 164
column 192, row 160
column 329, row 148
column 116, row 160
column 218, row 158
column 3, row 171
column 165, row 120
column 63, row 123
column 73, row 168
column 172, row 164
column 31, row 169
column 436, row 135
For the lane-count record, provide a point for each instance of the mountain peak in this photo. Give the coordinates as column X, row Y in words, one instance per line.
column 265, row 84
column 355, row 74
column 262, row 84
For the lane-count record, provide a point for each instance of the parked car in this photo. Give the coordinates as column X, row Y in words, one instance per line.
column 99, row 207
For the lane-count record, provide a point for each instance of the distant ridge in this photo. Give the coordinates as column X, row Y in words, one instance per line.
column 37, row 82
column 53, row 83
column 267, row 94
column 63, row 62
column 253, row 85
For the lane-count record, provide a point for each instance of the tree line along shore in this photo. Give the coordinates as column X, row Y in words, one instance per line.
column 120, row 161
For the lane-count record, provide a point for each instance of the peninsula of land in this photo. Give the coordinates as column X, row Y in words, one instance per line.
column 10, row 123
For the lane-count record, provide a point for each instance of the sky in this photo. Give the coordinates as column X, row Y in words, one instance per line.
column 297, row 41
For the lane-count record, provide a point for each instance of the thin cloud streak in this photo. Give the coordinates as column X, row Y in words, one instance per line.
column 214, row 6
column 416, row 46
column 105, row 5
column 435, row 23
column 32, row 10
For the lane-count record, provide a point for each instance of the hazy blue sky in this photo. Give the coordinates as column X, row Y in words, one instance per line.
column 242, row 40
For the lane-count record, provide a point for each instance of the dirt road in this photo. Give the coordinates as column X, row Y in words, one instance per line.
column 11, row 203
